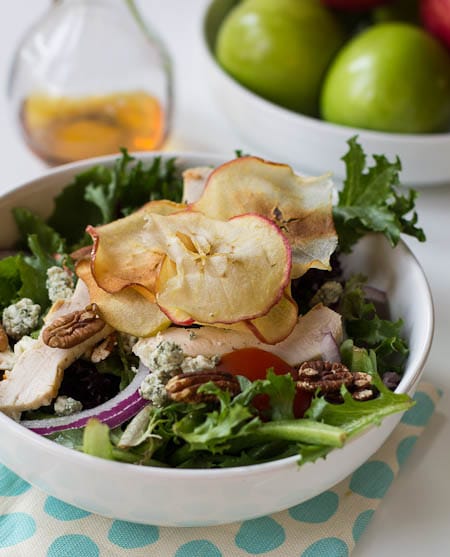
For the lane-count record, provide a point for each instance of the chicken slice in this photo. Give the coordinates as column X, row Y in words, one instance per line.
column 36, row 376
column 304, row 343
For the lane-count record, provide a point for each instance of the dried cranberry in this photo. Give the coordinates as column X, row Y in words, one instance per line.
column 83, row 382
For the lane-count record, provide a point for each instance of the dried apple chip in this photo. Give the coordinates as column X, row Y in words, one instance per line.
column 300, row 206
column 221, row 271
column 126, row 311
column 162, row 207
column 117, row 264
column 278, row 323
column 194, row 180
column 271, row 328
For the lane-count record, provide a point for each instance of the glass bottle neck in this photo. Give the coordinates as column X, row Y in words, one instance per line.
column 130, row 9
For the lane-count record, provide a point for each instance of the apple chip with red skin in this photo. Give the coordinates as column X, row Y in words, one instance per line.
column 278, row 323
column 222, row 271
column 115, row 268
column 126, row 311
column 300, row 206
column 209, row 270
column 272, row 328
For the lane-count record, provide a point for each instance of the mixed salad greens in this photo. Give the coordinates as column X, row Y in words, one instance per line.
column 98, row 408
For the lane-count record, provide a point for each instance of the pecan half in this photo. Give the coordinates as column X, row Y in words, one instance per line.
column 364, row 394
column 184, row 386
column 74, row 328
column 328, row 377
column 104, row 349
column 4, row 342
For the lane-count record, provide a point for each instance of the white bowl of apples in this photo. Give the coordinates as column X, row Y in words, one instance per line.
column 359, row 73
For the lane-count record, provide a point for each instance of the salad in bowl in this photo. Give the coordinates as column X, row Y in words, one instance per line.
column 205, row 322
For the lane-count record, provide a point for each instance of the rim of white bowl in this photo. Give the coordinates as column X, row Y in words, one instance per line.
column 58, row 450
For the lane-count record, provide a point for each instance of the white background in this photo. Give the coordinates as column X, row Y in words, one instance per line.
column 413, row 518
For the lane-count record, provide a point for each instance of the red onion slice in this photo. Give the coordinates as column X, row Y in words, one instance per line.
column 113, row 412
column 379, row 299
column 375, row 294
column 329, row 348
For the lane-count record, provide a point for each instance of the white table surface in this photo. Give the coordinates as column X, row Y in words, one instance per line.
column 414, row 517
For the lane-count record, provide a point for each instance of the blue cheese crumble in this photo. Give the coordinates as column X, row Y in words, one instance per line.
column 21, row 318
column 328, row 294
column 66, row 406
column 9, row 358
column 199, row 363
column 165, row 361
column 59, row 284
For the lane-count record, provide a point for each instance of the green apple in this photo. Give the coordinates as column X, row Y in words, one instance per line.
column 393, row 77
column 280, row 49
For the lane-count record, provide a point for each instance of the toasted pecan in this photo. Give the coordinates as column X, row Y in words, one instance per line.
column 184, row 386
column 73, row 328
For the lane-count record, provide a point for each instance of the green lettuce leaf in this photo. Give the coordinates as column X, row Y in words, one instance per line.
column 355, row 416
column 281, row 390
column 30, row 224
column 213, row 431
column 33, row 273
column 10, row 280
column 96, row 440
column 24, row 276
column 367, row 329
column 373, row 201
column 72, row 212
column 103, row 194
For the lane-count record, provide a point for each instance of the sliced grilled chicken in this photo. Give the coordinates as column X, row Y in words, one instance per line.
column 36, row 376
column 304, row 343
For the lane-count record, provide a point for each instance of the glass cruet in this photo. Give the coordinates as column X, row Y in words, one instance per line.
column 91, row 77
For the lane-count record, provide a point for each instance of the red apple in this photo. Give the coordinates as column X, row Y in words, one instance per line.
column 354, row 5
column 435, row 16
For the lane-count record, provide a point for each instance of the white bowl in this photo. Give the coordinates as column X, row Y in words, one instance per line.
column 309, row 144
column 176, row 497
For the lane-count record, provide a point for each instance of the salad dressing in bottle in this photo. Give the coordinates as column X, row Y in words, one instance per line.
column 89, row 78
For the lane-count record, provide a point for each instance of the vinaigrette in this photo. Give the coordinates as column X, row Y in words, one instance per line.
column 64, row 129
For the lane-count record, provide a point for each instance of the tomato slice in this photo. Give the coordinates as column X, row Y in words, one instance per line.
column 253, row 363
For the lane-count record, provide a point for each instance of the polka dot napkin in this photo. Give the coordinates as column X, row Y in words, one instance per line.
column 35, row 524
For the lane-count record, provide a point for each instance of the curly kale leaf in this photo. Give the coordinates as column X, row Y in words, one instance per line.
column 363, row 324
column 373, row 201
column 101, row 194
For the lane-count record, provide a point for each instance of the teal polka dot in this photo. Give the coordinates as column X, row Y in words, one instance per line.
column 361, row 522
column 421, row 412
column 329, row 547
column 316, row 510
column 73, row 544
column 11, row 484
column 198, row 548
column 404, row 448
column 260, row 535
column 372, row 479
column 63, row 511
column 130, row 535
column 16, row 528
